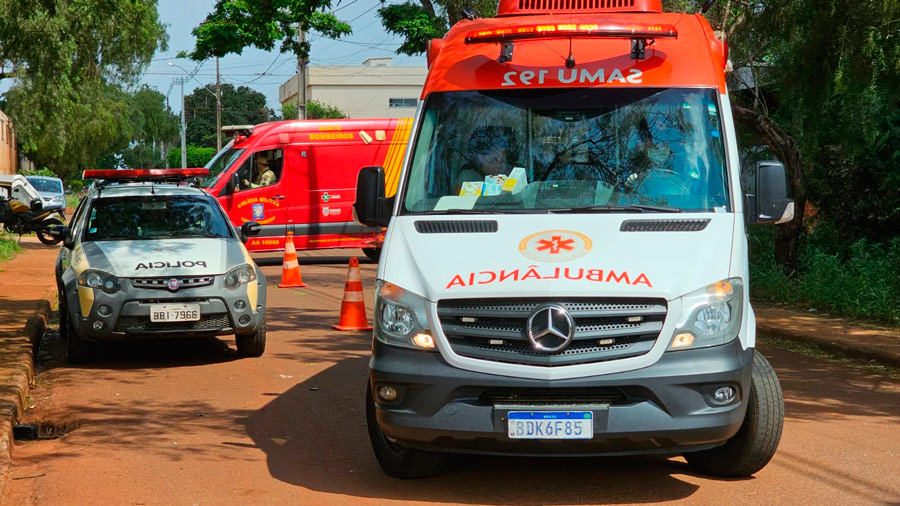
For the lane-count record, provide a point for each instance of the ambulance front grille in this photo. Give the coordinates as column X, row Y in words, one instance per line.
column 605, row 329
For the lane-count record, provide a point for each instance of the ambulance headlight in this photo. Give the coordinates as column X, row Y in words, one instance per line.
column 101, row 280
column 240, row 275
column 710, row 315
column 401, row 318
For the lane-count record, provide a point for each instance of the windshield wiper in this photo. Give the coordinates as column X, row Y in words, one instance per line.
column 186, row 233
column 625, row 208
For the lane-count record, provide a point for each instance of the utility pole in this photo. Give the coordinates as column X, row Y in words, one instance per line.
column 218, row 109
column 301, row 78
column 183, row 129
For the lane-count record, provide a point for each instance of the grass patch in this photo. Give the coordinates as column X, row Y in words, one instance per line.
column 72, row 200
column 9, row 246
column 857, row 280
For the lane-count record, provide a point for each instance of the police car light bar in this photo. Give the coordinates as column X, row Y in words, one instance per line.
column 565, row 30
column 145, row 174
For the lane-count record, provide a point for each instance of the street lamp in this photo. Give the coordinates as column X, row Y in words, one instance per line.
column 183, row 127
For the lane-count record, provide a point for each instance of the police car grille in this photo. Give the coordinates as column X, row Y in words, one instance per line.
column 605, row 329
column 143, row 323
column 554, row 396
column 184, row 282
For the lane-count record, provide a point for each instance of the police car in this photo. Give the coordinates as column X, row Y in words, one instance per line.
column 147, row 256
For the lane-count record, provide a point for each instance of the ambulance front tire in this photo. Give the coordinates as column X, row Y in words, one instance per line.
column 757, row 439
column 397, row 460
column 78, row 350
column 253, row 345
column 372, row 253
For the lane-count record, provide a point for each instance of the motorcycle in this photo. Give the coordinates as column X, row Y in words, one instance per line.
column 37, row 219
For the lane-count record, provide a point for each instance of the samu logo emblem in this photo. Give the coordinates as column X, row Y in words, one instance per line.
column 555, row 246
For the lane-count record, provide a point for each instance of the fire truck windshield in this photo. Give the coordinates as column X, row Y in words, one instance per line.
column 543, row 150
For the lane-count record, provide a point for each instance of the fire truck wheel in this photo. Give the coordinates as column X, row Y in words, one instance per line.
column 397, row 460
column 253, row 345
column 372, row 253
column 755, row 443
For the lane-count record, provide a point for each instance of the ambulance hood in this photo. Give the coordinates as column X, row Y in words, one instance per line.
column 617, row 255
column 164, row 257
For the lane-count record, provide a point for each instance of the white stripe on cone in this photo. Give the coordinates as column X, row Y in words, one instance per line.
column 353, row 275
column 290, row 264
column 353, row 296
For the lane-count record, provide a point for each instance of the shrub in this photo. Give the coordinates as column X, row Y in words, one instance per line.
column 196, row 156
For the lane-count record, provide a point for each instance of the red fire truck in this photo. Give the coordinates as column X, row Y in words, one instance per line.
column 300, row 177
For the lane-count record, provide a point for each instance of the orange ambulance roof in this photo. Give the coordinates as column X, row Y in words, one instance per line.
column 694, row 59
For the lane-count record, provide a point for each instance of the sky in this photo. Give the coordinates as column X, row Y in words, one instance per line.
column 261, row 70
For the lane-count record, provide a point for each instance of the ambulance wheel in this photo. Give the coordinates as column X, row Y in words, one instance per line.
column 397, row 460
column 372, row 253
column 253, row 345
column 755, row 442
column 79, row 350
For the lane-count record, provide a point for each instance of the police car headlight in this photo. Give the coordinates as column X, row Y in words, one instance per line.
column 710, row 315
column 240, row 275
column 401, row 318
column 101, row 280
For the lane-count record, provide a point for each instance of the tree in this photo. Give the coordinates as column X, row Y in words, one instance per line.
column 240, row 106
column 154, row 127
column 419, row 22
column 316, row 109
column 72, row 61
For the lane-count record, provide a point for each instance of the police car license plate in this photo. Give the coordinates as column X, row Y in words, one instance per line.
column 174, row 312
column 550, row 424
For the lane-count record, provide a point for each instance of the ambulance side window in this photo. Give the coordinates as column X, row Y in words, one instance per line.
column 262, row 168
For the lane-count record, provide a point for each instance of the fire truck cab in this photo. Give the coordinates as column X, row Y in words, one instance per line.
column 565, row 270
column 299, row 177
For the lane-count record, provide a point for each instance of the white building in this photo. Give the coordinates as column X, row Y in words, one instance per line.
column 376, row 89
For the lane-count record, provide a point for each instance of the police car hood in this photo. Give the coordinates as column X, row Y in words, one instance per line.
column 618, row 255
column 164, row 257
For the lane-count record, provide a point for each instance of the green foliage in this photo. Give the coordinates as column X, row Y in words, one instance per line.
column 419, row 22
column 314, row 110
column 196, row 156
column 858, row 279
column 72, row 61
column 43, row 171
column 236, row 24
column 240, row 106
column 9, row 247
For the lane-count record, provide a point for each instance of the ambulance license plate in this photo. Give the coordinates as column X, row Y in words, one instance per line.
column 550, row 424
column 174, row 312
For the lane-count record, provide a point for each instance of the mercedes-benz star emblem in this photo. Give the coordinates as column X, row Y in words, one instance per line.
column 550, row 328
column 173, row 284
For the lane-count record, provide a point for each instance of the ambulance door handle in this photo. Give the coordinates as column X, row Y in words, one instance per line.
column 279, row 197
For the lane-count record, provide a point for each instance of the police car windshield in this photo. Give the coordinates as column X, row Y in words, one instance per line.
column 219, row 163
column 569, row 150
column 154, row 217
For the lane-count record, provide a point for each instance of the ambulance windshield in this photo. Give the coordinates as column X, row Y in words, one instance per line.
column 569, row 150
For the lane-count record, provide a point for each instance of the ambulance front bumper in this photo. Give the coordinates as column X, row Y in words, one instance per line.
column 125, row 314
column 665, row 408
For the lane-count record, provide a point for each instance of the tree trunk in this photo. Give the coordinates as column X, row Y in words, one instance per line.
column 787, row 236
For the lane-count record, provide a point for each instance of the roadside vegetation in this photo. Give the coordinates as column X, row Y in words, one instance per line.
column 9, row 247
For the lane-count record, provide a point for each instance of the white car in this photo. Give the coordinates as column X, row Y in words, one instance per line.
column 143, row 257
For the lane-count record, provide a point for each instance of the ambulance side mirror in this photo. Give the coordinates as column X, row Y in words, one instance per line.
column 248, row 230
column 771, row 203
column 372, row 208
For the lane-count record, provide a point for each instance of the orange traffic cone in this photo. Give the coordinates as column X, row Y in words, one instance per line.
column 290, row 270
column 353, row 307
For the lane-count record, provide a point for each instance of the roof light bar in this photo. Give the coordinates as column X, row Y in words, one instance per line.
column 145, row 174
column 566, row 30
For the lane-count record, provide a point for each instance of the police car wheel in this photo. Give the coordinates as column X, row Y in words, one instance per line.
column 253, row 345
column 757, row 439
column 79, row 350
column 395, row 459
column 372, row 253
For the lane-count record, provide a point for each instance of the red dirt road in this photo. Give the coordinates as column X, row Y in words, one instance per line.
column 190, row 423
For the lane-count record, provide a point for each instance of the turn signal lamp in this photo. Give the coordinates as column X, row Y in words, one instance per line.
column 565, row 30
column 424, row 341
column 683, row 340
column 392, row 292
column 720, row 289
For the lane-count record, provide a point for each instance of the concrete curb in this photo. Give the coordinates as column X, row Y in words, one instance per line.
column 17, row 367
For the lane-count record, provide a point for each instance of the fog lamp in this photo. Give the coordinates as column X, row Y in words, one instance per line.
column 387, row 393
column 97, row 325
column 724, row 394
column 240, row 305
column 423, row 341
column 244, row 319
column 104, row 310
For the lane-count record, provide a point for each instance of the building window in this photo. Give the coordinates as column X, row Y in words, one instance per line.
column 401, row 102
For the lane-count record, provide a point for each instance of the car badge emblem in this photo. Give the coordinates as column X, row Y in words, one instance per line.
column 173, row 284
column 550, row 328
